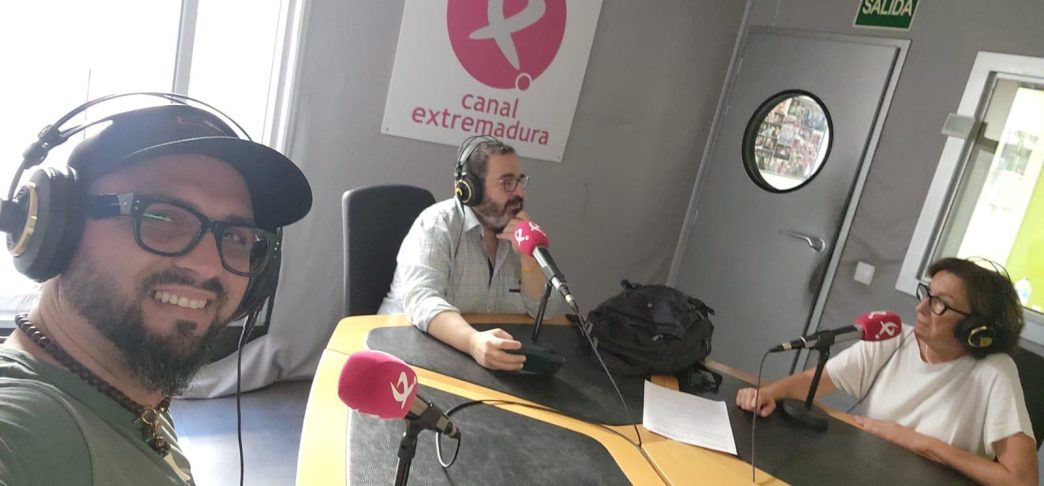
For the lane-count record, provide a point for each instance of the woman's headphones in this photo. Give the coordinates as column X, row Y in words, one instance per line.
column 44, row 217
column 467, row 187
column 975, row 332
column 978, row 331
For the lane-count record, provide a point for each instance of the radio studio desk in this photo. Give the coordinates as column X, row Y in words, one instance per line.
column 516, row 444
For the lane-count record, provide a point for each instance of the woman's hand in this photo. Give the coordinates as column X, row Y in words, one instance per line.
column 765, row 405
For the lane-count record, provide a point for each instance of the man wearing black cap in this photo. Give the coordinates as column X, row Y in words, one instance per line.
column 179, row 220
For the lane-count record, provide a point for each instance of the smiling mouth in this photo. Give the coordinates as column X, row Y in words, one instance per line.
column 178, row 300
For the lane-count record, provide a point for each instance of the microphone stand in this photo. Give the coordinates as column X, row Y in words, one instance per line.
column 541, row 360
column 540, row 312
column 803, row 412
column 407, row 449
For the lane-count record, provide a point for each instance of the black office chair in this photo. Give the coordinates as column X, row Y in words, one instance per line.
column 376, row 219
column 1031, row 374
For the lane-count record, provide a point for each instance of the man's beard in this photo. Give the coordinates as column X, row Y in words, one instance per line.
column 496, row 216
column 165, row 364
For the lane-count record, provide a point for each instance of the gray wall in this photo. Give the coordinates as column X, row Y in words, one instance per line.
column 946, row 36
column 613, row 207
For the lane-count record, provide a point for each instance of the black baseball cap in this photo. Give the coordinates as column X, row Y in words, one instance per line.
column 279, row 191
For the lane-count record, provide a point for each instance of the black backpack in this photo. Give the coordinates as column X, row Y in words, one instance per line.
column 652, row 329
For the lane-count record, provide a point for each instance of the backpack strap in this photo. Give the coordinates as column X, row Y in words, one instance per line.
column 698, row 379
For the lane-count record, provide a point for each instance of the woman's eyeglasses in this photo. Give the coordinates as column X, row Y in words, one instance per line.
column 935, row 304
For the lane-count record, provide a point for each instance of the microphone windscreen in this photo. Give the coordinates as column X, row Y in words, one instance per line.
column 879, row 325
column 528, row 236
column 377, row 383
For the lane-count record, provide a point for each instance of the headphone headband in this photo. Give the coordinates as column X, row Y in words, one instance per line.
column 52, row 135
column 468, row 146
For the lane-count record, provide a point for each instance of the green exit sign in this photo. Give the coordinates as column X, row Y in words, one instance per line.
column 888, row 14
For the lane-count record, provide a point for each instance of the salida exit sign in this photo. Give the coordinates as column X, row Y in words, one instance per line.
column 888, row 14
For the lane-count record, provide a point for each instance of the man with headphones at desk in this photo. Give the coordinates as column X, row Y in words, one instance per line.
column 460, row 256
column 161, row 228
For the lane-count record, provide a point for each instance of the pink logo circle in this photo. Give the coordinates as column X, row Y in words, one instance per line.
column 508, row 44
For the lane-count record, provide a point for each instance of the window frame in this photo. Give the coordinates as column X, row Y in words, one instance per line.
column 283, row 88
column 953, row 163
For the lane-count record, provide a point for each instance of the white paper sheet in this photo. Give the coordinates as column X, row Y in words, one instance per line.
column 688, row 418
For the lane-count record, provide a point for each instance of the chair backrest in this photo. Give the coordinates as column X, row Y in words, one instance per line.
column 376, row 219
column 1031, row 374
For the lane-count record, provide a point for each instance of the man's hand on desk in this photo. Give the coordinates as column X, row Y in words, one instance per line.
column 766, row 403
column 488, row 349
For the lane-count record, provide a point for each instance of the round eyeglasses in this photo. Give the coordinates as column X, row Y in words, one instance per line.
column 511, row 183
column 170, row 228
column 935, row 304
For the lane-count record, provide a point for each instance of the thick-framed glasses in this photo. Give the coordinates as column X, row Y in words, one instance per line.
column 511, row 183
column 935, row 304
column 169, row 228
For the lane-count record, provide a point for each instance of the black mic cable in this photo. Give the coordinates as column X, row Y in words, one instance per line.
column 754, row 421
column 248, row 327
column 251, row 319
column 585, row 326
column 496, row 401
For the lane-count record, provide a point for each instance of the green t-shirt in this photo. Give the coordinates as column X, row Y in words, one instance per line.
column 56, row 429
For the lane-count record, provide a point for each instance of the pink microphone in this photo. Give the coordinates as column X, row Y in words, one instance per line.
column 532, row 241
column 879, row 325
column 529, row 236
column 380, row 384
column 377, row 383
column 873, row 326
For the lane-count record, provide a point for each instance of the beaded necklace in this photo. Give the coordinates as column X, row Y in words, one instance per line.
column 148, row 416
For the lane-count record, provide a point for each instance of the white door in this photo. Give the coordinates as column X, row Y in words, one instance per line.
column 777, row 186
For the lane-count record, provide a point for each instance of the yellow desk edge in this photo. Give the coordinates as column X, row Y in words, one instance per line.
column 323, row 449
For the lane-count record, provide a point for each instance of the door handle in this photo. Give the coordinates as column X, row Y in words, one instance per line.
column 816, row 244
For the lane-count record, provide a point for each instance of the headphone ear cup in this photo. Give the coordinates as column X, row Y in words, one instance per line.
column 462, row 190
column 477, row 189
column 975, row 333
column 468, row 190
column 253, row 296
column 53, row 226
column 260, row 287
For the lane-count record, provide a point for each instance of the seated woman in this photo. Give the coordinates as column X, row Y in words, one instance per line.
column 947, row 388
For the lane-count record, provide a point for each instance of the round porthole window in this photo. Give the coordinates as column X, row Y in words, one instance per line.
column 786, row 141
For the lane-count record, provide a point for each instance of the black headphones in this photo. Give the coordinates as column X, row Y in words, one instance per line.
column 978, row 331
column 468, row 188
column 975, row 332
column 44, row 218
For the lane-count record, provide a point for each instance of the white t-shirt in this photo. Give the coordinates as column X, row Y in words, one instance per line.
column 967, row 403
